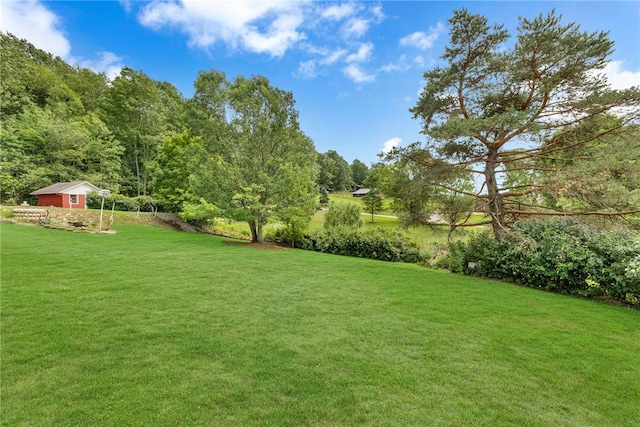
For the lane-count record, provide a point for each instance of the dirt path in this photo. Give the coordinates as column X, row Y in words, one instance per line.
column 175, row 221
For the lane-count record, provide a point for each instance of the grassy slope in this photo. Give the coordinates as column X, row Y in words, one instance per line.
column 154, row 327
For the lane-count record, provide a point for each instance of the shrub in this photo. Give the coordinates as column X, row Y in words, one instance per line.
column 479, row 256
column 6, row 213
column 343, row 215
column 375, row 243
column 199, row 214
column 561, row 255
column 282, row 235
column 435, row 254
column 230, row 228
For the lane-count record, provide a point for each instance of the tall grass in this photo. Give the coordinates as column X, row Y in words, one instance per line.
column 155, row 327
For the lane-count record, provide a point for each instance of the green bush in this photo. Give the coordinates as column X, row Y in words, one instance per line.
column 6, row 213
column 560, row 255
column 283, row 236
column 620, row 252
column 199, row 214
column 478, row 256
column 343, row 215
column 375, row 243
column 229, row 228
column 435, row 254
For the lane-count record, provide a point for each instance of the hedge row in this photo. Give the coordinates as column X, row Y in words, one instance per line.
column 560, row 255
column 375, row 243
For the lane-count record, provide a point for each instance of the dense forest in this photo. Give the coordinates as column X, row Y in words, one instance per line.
column 66, row 123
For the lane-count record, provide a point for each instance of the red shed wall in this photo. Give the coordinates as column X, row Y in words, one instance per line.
column 50, row 200
column 61, row 200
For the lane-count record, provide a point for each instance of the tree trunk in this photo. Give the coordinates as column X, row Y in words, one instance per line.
column 254, row 231
column 496, row 203
column 259, row 237
column 293, row 235
column 137, row 163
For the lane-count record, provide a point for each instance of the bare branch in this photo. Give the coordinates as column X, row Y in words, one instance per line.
column 573, row 213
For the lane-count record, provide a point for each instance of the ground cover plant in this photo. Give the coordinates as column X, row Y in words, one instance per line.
column 155, row 327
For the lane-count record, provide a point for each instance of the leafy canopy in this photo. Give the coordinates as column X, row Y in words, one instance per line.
column 256, row 162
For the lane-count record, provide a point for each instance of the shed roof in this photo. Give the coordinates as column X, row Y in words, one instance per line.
column 62, row 187
column 361, row 191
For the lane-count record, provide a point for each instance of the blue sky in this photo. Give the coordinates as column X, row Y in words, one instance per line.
column 354, row 68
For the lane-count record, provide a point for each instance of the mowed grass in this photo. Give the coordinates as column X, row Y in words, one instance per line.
column 156, row 327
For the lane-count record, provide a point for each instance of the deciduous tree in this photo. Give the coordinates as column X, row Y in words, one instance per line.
column 258, row 162
column 343, row 215
column 334, row 171
column 141, row 113
column 173, row 167
column 358, row 172
column 373, row 201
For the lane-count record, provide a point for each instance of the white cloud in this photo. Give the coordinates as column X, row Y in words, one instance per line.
column 362, row 55
column 275, row 27
column 339, row 12
column 156, row 15
column 265, row 26
column 32, row 21
column 400, row 65
column 422, row 40
column 390, row 144
column 377, row 13
column 307, row 70
column 334, row 56
column 619, row 78
column 126, row 5
column 355, row 27
column 281, row 35
column 357, row 74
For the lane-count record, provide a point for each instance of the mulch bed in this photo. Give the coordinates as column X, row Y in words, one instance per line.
column 266, row 246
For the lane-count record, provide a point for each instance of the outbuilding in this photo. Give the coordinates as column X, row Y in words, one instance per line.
column 65, row 194
column 361, row 192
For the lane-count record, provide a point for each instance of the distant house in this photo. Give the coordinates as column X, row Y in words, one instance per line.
column 360, row 192
column 65, row 194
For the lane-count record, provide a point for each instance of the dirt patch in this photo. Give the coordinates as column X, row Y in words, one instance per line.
column 176, row 222
column 266, row 246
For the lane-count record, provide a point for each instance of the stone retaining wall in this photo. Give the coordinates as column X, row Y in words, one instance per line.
column 30, row 213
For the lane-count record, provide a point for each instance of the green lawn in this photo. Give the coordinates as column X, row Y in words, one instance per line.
column 156, row 327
